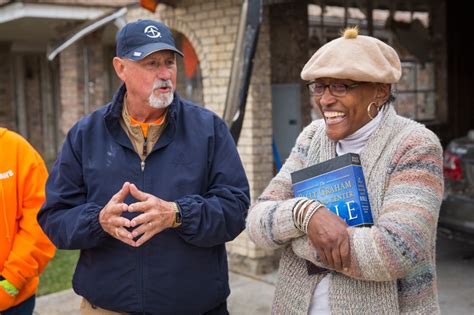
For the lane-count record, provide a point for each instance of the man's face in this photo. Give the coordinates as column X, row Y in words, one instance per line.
column 151, row 80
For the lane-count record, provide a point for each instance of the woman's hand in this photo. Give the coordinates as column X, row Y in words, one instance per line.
column 328, row 233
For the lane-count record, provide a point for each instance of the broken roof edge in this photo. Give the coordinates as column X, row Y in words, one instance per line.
column 85, row 29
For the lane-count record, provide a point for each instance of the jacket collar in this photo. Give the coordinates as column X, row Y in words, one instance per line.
column 113, row 115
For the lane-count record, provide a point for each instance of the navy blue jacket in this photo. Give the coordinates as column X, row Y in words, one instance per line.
column 196, row 164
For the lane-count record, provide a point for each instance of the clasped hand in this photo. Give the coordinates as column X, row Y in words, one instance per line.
column 328, row 234
column 157, row 215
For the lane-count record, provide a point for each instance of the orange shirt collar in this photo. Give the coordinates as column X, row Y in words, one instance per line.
column 144, row 125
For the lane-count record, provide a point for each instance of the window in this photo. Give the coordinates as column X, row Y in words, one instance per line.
column 416, row 91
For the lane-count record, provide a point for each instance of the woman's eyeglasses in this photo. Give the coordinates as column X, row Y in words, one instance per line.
column 336, row 89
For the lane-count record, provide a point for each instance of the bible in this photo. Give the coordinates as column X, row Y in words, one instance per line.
column 339, row 184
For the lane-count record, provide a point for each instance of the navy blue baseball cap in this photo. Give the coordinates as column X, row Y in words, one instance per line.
column 138, row 39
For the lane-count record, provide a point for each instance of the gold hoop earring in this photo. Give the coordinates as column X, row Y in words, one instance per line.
column 370, row 107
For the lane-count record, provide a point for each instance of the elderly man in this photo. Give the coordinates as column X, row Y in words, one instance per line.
column 149, row 188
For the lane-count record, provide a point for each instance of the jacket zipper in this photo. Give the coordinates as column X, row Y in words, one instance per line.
column 140, row 249
column 145, row 149
column 144, row 152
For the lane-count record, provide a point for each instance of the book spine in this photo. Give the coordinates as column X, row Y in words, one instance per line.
column 364, row 202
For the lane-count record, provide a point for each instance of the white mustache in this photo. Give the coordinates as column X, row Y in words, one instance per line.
column 162, row 83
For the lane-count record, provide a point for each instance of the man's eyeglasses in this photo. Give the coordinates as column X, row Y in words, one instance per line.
column 336, row 89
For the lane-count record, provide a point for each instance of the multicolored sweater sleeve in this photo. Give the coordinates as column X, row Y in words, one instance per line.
column 269, row 222
column 403, row 235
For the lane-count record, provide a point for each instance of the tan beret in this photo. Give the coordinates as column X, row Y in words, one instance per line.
column 354, row 57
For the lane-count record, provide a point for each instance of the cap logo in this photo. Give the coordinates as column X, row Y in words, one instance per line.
column 152, row 31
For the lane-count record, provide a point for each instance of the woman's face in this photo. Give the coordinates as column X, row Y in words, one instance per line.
column 345, row 114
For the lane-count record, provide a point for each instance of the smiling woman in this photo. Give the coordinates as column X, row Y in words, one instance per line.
column 333, row 268
column 344, row 107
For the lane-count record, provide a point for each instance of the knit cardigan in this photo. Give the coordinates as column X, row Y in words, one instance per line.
column 392, row 262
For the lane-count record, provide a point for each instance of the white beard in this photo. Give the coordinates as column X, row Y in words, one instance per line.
column 165, row 99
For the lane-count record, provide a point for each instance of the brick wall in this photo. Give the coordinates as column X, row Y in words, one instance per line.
column 96, row 78
column 211, row 27
column 32, row 94
column 83, row 80
column 71, row 100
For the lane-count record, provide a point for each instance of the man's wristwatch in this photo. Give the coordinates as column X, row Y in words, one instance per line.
column 178, row 219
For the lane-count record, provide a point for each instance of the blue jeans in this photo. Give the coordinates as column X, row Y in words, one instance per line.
column 24, row 308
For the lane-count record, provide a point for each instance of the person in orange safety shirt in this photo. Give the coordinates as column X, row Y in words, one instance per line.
column 24, row 248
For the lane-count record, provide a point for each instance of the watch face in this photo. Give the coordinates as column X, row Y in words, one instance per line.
column 178, row 219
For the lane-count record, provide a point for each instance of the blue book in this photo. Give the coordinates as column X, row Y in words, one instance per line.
column 339, row 184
